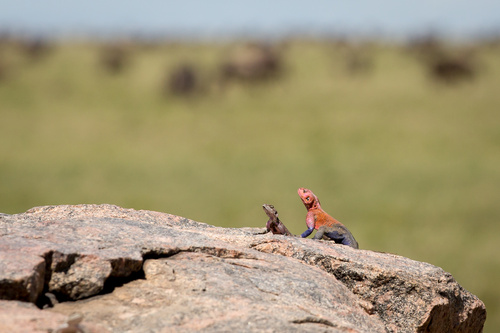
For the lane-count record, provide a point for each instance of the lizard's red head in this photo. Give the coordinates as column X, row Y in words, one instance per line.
column 308, row 198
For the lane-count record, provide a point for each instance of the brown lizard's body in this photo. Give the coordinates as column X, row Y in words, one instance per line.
column 325, row 225
column 274, row 224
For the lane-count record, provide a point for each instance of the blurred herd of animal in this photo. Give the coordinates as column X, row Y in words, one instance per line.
column 256, row 62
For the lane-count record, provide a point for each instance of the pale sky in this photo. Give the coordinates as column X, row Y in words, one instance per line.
column 203, row 18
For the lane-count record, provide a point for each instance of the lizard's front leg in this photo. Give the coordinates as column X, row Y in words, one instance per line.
column 307, row 232
column 268, row 225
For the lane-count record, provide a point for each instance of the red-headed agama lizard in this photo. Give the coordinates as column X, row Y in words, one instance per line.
column 326, row 225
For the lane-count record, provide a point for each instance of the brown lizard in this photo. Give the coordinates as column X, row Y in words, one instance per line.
column 274, row 224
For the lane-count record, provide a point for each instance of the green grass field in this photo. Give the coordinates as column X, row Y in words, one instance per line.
column 410, row 165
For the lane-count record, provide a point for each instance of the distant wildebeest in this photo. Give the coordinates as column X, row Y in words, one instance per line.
column 252, row 62
column 445, row 63
column 114, row 57
column 183, row 80
column 452, row 70
column 34, row 48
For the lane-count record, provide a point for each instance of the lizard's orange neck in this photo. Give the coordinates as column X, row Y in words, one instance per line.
column 314, row 206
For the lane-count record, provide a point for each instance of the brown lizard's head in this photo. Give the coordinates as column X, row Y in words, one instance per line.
column 308, row 198
column 270, row 211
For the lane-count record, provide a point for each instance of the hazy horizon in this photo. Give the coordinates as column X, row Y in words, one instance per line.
column 226, row 19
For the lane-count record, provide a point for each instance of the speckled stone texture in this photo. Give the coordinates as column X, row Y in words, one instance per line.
column 143, row 271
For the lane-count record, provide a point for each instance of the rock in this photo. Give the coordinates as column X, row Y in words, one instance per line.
column 407, row 295
column 72, row 324
column 139, row 271
column 21, row 317
column 84, row 277
column 21, row 275
column 196, row 291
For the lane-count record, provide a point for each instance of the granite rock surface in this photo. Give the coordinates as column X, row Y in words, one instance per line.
column 124, row 270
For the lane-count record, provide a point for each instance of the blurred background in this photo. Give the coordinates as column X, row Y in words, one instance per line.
column 389, row 111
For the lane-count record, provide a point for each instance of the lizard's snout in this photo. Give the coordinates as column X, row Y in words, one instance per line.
column 302, row 190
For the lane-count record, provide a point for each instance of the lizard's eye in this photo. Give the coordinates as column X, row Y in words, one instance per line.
column 307, row 198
